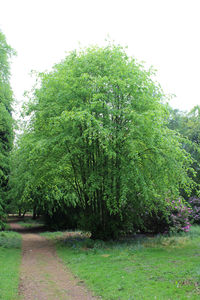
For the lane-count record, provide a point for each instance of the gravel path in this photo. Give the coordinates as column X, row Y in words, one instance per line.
column 43, row 276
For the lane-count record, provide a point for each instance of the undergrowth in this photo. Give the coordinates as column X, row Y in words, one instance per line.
column 10, row 239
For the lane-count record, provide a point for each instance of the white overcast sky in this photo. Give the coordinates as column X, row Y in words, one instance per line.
column 163, row 33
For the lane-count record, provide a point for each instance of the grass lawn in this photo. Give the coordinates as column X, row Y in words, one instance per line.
column 10, row 259
column 28, row 222
column 153, row 268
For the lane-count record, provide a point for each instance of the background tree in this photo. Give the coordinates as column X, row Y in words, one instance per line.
column 188, row 125
column 6, row 122
column 100, row 143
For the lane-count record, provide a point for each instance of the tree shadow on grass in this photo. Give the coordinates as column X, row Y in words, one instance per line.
column 25, row 227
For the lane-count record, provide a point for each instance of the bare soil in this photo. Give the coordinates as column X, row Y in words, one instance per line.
column 43, row 275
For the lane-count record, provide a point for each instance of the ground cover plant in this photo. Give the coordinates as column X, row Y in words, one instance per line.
column 10, row 258
column 163, row 267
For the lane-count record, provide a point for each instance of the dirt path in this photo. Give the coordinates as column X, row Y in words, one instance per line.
column 43, row 275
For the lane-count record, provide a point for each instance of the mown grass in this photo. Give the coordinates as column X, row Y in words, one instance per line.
column 149, row 268
column 10, row 258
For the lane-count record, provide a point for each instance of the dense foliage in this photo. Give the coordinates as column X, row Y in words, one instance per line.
column 180, row 216
column 195, row 209
column 187, row 124
column 97, row 148
column 6, row 132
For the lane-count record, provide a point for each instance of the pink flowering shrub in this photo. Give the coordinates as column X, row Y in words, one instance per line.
column 179, row 216
column 175, row 217
column 195, row 211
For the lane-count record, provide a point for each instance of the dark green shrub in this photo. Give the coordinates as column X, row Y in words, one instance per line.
column 62, row 219
column 195, row 209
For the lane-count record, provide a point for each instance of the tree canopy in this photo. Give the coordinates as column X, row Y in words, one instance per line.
column 98, row 143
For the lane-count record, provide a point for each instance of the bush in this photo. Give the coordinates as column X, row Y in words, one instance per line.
column 112, row 227
column 2, row 219
column 179, row 216
column 174, row 218
column 195, row 209
column 61, row 219
column 155, row 222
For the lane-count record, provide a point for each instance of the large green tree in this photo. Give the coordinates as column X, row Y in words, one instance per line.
column 99, row 136
column 6, row 122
